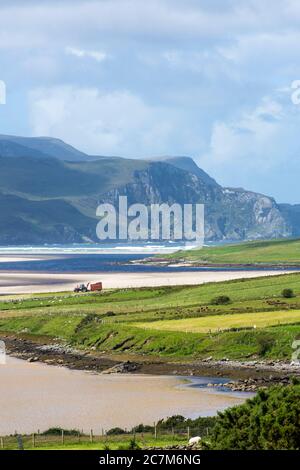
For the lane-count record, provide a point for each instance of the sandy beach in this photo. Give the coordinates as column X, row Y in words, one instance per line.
column 36, row 396
column 28, row 282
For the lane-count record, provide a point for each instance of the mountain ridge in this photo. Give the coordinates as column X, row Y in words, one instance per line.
column 41, row 177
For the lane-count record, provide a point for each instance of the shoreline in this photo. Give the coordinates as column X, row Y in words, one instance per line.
column 20, row 282
column 77, row 399
column 243, row 375
column 197, row 264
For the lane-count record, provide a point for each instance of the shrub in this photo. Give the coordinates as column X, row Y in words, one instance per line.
column 221, row 300
column 287, row 293
column 58, row 431
column 115, row 432
column 133, row 445
column 269, row 421
column 142, row 428
column 265, row 344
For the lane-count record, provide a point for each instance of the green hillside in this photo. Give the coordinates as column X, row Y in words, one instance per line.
column 285, row 252
column 167, row 322
column 47, row 178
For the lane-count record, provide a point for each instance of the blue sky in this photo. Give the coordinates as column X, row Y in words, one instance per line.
column 140, row 78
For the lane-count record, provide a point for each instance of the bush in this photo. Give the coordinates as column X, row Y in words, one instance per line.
column 133, row 445
column 58, row 431
column 269, row 421
column 287, row 293
column 142, row 428
column 115, row 432
column 265, row 344
column 221, row 300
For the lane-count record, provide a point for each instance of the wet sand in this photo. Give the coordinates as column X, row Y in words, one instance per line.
column 26, row 282
column 34, row 396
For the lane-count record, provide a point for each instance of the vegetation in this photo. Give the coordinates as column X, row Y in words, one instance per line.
column 269, row 421
column 170, row 431
column 281, row 252
column 59, row 431
column 221, row 300
column 172, row 322
column 209, row 324
column 287, row 293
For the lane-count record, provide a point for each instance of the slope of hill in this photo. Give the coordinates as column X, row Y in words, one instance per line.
column 41, row 146
column 285, row 252
column 30, row 172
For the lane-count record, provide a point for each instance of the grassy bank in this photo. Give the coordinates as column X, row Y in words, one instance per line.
column 279, row 252
column 174, row 322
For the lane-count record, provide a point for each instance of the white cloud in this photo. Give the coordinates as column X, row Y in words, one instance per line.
column 39, row 22
column 102, row 123
column 247, row 139
column 99, row 56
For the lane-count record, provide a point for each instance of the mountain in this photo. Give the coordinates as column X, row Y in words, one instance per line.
column 11, row 146
column 49, row 193
column 188, row 164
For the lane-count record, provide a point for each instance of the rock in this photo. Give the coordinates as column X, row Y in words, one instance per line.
column 122, row 368
column 33, row 359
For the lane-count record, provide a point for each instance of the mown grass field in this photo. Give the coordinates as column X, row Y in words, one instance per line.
column 168, row 322
column 226, row 322
column 280, row 252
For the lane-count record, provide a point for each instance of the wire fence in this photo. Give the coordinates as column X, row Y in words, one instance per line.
column 102, row 440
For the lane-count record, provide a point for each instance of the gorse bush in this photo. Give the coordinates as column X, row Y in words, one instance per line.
column 58, row 431
column 287, row 293
column 221, row 300
column 265, row 343
column 269, row 421
column 115, row 431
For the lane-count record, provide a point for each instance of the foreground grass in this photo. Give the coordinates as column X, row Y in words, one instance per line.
column 173, row 322
column 284, row 252
column 99, row 442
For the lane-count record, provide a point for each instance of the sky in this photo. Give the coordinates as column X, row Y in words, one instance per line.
column 210, row 79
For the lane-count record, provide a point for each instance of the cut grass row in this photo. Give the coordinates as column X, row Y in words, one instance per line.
column 225, row 322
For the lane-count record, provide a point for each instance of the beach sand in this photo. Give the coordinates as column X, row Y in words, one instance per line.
column 25, row 282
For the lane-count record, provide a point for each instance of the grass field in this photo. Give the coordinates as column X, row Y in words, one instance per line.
column 117, row 442
column 281, row 252
column 226, row 322
column 170, row 322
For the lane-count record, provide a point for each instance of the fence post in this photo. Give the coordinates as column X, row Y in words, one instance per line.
column 20, row 442
column 155, row 431
column 91, row 436
column 33, row 440
column 2, row 443
column 62, row 437
column 188, row 433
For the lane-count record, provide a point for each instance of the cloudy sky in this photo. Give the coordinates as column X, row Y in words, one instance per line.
column 140, row 78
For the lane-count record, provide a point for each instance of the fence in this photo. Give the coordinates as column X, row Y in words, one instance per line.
column 102, row 440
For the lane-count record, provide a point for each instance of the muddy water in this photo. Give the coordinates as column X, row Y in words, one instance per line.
column 35, row 396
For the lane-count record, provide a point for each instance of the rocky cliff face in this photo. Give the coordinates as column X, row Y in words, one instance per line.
column 230, row 214
column 49, row 193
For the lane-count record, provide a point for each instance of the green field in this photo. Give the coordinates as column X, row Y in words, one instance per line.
column 281, row 252
column 169, row 322
column 226, row 322
column 121, row 442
